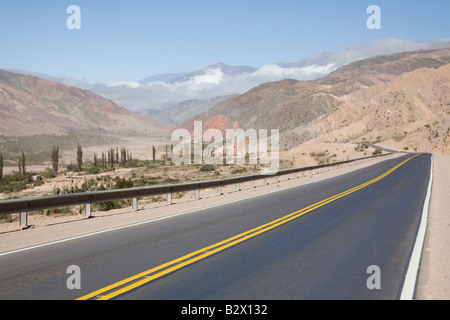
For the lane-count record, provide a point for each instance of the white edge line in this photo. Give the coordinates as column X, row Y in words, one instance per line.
column 409, row 284
column 163, row 218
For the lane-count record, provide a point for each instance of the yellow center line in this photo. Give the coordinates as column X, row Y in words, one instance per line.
column 195, row 256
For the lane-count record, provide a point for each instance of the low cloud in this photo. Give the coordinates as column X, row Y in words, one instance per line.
column 130, row 84
column 158, row 94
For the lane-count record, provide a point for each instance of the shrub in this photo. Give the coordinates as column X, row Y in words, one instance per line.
column 110, row 205
column 93, row 170
column 124, row 184
column 207, row 167
column 377, row 152
column 238, row 170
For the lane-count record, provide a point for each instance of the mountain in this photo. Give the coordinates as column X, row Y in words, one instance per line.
column 304, row 110
column 381, row 47
column 32, row 106
column 185, row 109
column 410, row 111
column 158, row 93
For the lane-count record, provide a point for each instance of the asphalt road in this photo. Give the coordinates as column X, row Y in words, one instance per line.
column 323, row 253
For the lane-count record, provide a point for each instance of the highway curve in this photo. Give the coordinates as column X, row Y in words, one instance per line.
column 314, row 241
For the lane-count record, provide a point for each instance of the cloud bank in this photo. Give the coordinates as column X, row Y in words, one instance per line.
column 214, row 82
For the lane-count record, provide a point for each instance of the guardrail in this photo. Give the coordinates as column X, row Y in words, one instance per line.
column 25, row 205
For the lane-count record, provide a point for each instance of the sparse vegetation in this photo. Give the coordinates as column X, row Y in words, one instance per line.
column 361, row 147
column 110, row 205
column 15, row 182
column 377, row 152
column 238, row 170
column 322, row 157
column 207, row 167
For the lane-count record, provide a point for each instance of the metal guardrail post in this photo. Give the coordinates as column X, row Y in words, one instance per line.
column 135, row 204
column 23, row 219
column 87, row 210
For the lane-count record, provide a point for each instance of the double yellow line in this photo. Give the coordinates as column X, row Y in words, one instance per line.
column 142, row 278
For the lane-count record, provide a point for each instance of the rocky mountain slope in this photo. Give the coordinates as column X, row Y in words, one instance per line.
column 410, row 112
column 184, row 110
column 377, row 99
column 33, row 106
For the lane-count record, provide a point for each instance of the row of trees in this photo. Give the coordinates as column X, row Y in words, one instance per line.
column 21, row 164
column 111, row 159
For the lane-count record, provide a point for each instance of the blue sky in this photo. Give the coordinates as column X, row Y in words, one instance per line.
column 130, row 40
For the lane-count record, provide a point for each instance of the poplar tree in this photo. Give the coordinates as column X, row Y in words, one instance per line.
column 95, row 160
column 103, row 160
column 22, row 166
column 1, row 166
column 79, row 157
column 55, row 160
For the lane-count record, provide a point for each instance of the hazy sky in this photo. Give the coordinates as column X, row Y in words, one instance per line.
column 130, row 40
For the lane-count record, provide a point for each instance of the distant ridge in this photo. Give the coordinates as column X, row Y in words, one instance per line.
column 33, row 106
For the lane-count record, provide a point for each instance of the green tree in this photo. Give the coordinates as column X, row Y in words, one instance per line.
column 55, row 159
column 95, row 160
column 1, row 166
column 22, row 165
column 154, row 153
column 123, row 157
column 79, row 157
column 103, row 161
column 112, row 157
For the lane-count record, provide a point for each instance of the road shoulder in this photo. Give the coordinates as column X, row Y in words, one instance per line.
column 434, row 275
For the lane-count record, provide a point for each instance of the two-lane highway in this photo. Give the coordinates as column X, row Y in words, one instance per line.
column 314, row 241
